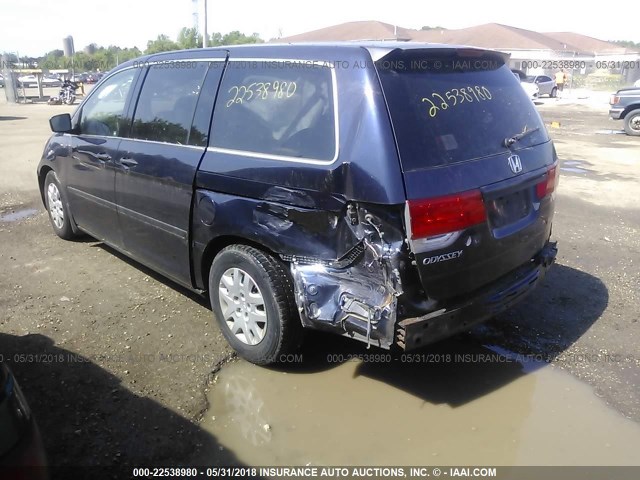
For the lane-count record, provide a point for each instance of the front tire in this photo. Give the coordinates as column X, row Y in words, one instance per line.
column 251, row 295
column 57, row 207
column 632, row 123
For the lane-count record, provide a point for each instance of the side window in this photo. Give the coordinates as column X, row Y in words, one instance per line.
column 545, row 79
column 102, row 113
column 167, row 102
column 282, row 108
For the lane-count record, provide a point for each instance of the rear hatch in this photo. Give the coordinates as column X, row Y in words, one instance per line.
column 478, row 165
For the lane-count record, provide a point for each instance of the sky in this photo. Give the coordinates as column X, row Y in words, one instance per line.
column 34, row 27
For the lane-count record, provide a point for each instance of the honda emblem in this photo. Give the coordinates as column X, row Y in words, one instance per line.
column 515, row 163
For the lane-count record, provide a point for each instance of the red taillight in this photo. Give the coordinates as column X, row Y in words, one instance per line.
column 547, row 186
column 436, row 216
column 614, row 99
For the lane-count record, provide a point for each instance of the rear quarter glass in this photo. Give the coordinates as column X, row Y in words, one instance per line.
column 450, row 107
column 287, row 107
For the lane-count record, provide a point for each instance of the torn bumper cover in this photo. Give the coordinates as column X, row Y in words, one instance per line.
column 356, row 295
column 416, row 332
column 359, row 301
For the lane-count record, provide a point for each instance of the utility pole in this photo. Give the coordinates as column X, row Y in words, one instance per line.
column 204, row 34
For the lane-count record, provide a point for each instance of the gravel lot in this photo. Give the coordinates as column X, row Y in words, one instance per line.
column 129, row 355
column 586, row 315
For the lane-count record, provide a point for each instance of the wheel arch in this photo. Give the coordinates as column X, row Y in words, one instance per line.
column 630, row 109
column 216, row 245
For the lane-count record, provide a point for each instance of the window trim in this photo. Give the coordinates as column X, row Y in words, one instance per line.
column 134, row 107
column 81, row 107
column 285, row 158
column 110, row 74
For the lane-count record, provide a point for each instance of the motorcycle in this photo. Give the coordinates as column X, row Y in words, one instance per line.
column 67, row 94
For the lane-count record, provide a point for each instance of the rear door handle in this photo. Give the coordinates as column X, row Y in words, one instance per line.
column 128, row 162
column 103, row 157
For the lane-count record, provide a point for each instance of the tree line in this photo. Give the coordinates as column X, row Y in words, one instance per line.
column 627, row 44
column 98, row 58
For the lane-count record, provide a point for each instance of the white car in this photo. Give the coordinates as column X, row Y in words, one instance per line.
column 545, row 83
column 531, row 89
column 27, row 80
column 45, row 81
column 51, row 81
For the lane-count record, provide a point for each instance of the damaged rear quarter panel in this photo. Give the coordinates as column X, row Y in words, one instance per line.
column 358, row 294
column 346, row 264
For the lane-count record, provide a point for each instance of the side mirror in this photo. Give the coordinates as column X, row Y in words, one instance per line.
column 61, row 123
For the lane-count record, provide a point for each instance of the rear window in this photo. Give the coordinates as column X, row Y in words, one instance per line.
column 451, row 107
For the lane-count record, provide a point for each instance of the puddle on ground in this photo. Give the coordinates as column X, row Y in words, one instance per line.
column 573, row 170
column 573, row 166
column 17, row 215
column 481, row 408
column 610, row 132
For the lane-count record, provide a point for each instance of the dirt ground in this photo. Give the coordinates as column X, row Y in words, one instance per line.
column 115, row 360
column 585, row 316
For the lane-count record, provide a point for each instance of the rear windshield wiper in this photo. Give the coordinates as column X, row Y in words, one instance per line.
column 510, row 141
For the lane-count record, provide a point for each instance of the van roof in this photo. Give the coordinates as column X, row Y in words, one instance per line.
column 377, row 49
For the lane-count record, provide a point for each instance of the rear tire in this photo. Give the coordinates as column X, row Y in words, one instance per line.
column 554, row 92
column 57, row 207
column 252, row 299
column 632, row 123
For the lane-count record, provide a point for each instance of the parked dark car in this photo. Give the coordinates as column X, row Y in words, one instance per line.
column 21, row 451
column 80, row 77
column 391, row 192
column 625, row 105
column 95, row 77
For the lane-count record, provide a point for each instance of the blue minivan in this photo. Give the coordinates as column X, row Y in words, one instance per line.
column 392, row 192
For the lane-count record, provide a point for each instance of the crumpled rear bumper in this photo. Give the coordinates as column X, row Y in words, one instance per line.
column 412, row 333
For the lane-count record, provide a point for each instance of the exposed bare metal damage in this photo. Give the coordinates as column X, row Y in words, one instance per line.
column 358, row 293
